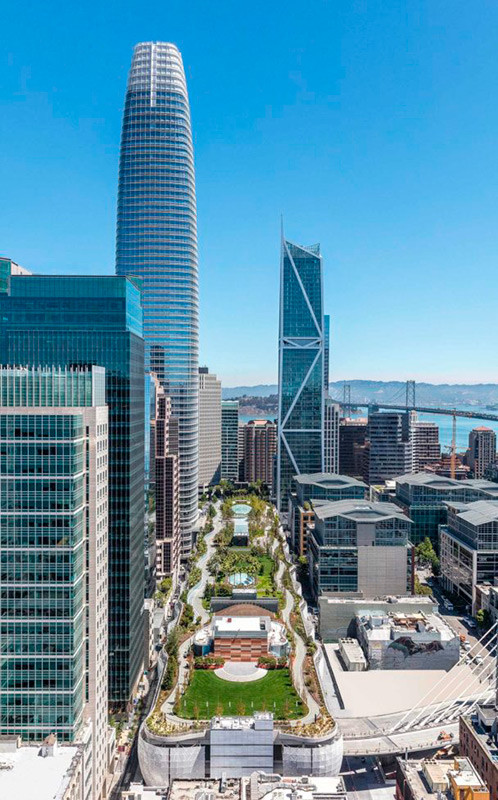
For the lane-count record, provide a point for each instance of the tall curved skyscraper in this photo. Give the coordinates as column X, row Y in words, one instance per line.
column 157, row 241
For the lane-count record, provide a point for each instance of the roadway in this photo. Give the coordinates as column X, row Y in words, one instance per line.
column 364, row 780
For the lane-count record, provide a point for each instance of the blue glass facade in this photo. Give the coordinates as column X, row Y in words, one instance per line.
column 301, row 366
column 68, row 321
column 157, row 241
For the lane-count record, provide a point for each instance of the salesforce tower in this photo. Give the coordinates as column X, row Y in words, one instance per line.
column 157, row 241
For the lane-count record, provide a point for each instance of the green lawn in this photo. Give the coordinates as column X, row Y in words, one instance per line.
column 273, row 693
column 264, row 582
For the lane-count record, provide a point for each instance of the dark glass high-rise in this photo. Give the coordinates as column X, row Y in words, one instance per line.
column 64, row 321
column 301, row 375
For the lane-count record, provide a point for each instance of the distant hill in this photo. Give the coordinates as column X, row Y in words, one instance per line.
column 431, row 394
column 262, row 390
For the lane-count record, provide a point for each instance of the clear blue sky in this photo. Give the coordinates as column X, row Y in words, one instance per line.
column 372, row 126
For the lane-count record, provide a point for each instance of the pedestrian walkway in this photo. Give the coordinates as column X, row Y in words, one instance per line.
column 240, row 671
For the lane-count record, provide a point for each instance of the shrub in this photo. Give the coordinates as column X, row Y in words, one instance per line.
column 205, row 662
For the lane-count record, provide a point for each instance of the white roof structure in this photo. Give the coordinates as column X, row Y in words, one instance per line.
column 25, row 774
column 240, row 624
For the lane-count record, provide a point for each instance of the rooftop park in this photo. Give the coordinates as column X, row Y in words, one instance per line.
column 207, row 695
column 253, row 561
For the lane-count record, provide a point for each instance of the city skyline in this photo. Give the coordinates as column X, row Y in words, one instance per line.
column 386, row 185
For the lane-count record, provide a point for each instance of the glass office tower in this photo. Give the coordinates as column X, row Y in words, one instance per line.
column 157, row 241
column 300, row 446
column 65, row 321
column 53, row 555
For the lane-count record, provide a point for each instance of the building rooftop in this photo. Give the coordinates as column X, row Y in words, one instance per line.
column 480, row 512
column 240, row 624
column 204, row 789
column 369, row 604
column 430, row 778
column 383, row 627
column 483, row 723
column 360, row 511
column 444, row 484
column 273, row 787
column 24, row 769
column 260, row 719
column 328, row 480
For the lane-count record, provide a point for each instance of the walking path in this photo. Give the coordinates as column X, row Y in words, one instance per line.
column 240, row 671
column 300, row 648
column 195, row 595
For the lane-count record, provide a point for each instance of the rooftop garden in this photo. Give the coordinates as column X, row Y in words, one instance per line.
column 254, row 561
column 208, row 695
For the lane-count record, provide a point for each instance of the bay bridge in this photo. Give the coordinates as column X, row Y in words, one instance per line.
column 408, row 403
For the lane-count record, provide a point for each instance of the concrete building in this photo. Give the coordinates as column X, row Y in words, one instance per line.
column 230, row 440
column 53, row 527
column 241, row 746
column 399, row 640
column 209, row 429
column 359, row 546
column 478, row 736
column 167, row 489
column 430, row 779
column 391, row 444
column 423, row 496
column 258, row 785
column 46, row 771
column 338, row 615
column 259, row 451
column 317, row 486
column 331, row 436
column 468, row 547
column 482, row 450
column 352, row 437
column 239, row 636
column 487, row 599
column 426, row 447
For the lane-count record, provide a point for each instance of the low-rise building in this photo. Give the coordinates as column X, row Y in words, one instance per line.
column 258, row 785
column 243, row 638
column 430, row 779
column 424, row 495
column 408, row 641
column 360, row 546
column 49, row 771
column 318, row 486
column 338, row 614
column 479, row 743
column 469, row 548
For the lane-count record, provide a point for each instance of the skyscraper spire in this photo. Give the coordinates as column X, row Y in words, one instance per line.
column 157, row 241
